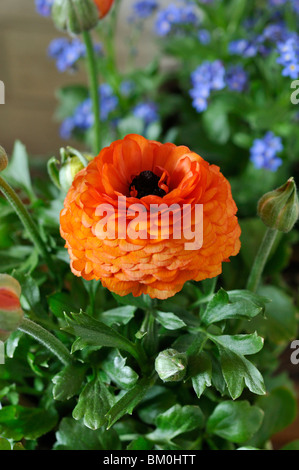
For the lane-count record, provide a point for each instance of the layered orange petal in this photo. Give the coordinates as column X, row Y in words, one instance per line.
column 158, row 264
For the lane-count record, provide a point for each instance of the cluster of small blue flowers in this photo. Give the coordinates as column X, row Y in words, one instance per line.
column 83, row 117
column 243, row 47
column 144, row 8
column 147, row 111
column 44, row 7
column 279, row 3
column 263, row 152
column 67, row 52
column 236, row 78
column 262, row 43
column 275, row 36
column 174, row 16
column 295, row 5
column 207, row 77
column 212, row 76
column 289, row 56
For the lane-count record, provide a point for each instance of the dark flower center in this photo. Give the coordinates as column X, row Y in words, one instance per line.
column 146, row 184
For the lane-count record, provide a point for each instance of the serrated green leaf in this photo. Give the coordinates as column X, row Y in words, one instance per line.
column 94, row 402
column 68, row 382
column 94, row 333
column 169, row 320
column 222, row 307
column 238, row 372
column 118, row 316
column 175, row 421
column 127, row 403
column 115, row 367
column 73, row 435
column 235, row 421
column 240, row 344
column 200, row 372
column 18, row 422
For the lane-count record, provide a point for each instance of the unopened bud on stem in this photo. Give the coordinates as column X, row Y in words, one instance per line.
column 279, row 209
column 75, row 16
column 171, row 365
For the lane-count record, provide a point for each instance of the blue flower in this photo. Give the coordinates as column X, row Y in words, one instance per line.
column 67, row 52
column 263, row 152
column 108, row 100
column 207, row 77
column 289, row 56
column 295, row 5
column 145, row 8
column 127, row 87
column 243, row 48
column 44, row 7
column 174, row 16
column 236, row 78
column 277, row 3
column 147, row 111
column 66, row 128
column 83, row 117
column 204, row 36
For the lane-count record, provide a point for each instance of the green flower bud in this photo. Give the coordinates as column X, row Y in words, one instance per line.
column 171, row 365
column 75, row 16
column 70, row 166
column 11, row 313
column 3, row 159
column 279, row 209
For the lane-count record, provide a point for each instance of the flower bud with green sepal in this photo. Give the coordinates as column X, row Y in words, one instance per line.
column 75, row 16
column 70, row 166
column 171, row 365
column 279, row 209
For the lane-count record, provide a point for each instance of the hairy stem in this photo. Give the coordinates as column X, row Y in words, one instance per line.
column 94, row 90
column 261, row 259
column 47, row 339
column 26, row 220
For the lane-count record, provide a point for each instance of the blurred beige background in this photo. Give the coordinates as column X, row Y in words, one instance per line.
column 31, row 78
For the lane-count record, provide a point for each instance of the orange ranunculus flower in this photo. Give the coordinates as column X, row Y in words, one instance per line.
column 103, row 6
column 147, row 173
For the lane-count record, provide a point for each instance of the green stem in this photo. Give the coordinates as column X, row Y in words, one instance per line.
column 26, row 220
column 261, row 259
column 46, row 339
column 94, row 90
